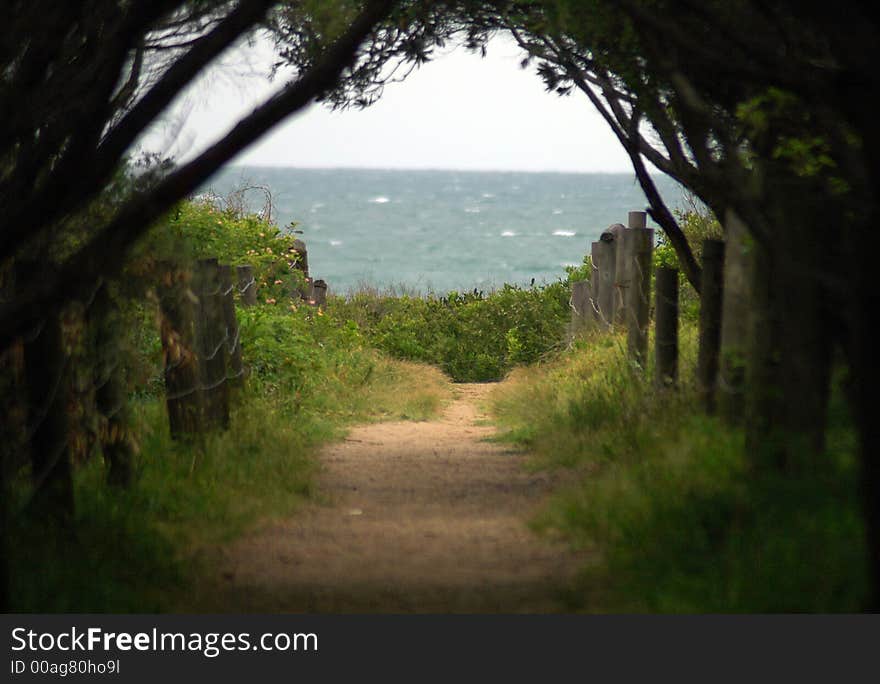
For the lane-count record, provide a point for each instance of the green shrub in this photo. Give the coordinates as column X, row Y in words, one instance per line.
column 698, row 223
column 471, row 336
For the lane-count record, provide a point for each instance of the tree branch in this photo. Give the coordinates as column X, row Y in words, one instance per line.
column 77, row 276
column 83, row 172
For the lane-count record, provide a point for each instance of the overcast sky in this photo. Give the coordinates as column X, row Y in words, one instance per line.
column 458, row 112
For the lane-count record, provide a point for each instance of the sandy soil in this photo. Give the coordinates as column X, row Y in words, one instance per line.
column 414, row 517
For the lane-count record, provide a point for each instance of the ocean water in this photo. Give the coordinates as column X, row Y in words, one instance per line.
column 442, row 230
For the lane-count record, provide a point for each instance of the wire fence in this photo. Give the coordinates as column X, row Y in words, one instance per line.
column 46, row 380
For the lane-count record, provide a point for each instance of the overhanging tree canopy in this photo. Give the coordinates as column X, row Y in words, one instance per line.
column 75, row 96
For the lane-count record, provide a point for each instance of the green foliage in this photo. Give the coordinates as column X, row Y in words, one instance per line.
column 471, row 336
column 698, row 223
column 782, row 127
column 584, row 271
column 199, row 229
column 667, row 500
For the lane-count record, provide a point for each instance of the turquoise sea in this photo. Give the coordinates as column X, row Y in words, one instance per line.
column 442, row 230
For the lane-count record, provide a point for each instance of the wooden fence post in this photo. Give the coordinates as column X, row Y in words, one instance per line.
column 305, row 292
column 666, row 328
column 302, row 261
column 247, row 285
column 637, row 219
column 47, row 419
column 637, row 248
column 183, row 396
column 603, row 279
column 581, row 307
column 319, row 293
column 711, row 287
column 235, row 372
column 736, row 318
column 47, row 422
column 212, row 336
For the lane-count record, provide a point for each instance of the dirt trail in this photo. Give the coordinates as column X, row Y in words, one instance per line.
column 417, row 517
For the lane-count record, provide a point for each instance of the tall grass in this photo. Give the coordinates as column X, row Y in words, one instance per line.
column 141, row 548
column 667, row 503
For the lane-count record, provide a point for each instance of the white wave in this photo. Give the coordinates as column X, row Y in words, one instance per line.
column 557, row 212
column 380, row 200
column 564, row 233
column 508, row 233
column 488, row 195
column 316, row 206
column 335, row 243
column 472, row 210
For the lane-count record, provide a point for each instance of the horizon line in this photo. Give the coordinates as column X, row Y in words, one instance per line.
column 429, row 169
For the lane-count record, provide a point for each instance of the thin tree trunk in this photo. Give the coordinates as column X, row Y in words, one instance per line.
column 789, row 363
column 45, row 374
column 110, row 395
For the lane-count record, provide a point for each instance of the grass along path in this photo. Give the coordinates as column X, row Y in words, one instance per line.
column 413, row 517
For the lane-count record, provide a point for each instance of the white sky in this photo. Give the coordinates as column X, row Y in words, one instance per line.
column 458, row 112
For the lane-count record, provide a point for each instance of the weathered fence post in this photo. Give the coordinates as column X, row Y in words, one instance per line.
column 247, row 285
column 581, row 305
column 213, row 338
column 302, row 261
column 183, row 396
column 305, row 292
column 736, row 317
column 666, row 327
column 610, row 289
column 711, row 287
column 235, row 371
column 637, row 219
column 47, row 423
column 603, row 277
column 637, row 247
column 319, row 292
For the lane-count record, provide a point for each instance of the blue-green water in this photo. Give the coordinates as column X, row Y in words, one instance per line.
column 443, row 230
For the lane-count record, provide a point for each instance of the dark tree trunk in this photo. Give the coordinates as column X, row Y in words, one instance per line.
column 666, row 327
column 45, row 375
column 110, row 395
column 10, row 435
column 10, row 430
column 790, row 355
column 736, row 312
column 212, row 345
column 183, row 396
column 862, row 310
column 865, row 399
column 711, row 289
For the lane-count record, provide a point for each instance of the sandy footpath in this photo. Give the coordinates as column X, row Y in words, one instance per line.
column 412, row 517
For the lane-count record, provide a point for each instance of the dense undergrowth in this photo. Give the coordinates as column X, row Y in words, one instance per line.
column 666, row 500
column 472, row 337
column 310, row 375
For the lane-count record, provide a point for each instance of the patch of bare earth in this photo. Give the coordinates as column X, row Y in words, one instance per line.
column 415, row 517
